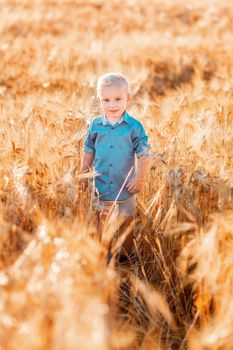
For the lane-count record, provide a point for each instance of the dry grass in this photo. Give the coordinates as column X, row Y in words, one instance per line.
column 56, row 291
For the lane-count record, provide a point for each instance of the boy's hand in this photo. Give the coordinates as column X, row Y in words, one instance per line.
column 84, row 183
column 134, row 185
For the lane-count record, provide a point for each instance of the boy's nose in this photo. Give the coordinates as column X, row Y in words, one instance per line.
column 112, row 103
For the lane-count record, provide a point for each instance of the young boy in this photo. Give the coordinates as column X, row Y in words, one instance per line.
column 112, row 141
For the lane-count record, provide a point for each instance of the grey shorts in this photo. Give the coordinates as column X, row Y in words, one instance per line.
column 124, row 208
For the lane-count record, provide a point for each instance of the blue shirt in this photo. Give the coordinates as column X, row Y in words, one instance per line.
column 115, row 147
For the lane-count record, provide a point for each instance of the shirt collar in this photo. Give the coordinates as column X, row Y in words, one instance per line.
column 124, row 118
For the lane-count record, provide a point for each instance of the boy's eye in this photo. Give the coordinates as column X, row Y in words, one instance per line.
column 118, row 99
column 106, row 100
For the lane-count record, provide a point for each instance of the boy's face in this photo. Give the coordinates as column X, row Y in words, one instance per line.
column 114, row 100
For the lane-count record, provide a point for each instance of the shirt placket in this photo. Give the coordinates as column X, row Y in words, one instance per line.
column 111, row 164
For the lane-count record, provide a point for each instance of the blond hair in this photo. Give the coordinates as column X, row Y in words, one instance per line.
column 109, row 79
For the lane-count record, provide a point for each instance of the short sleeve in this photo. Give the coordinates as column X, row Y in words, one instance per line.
column 89, row 141
column 140, row 142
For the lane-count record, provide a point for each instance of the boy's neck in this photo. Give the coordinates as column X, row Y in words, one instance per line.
column 114, row 120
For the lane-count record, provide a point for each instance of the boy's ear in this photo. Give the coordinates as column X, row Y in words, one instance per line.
column 129, row 98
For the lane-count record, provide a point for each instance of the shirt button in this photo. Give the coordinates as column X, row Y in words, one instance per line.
column 111, row 146
column 110, row 164
column 111, row 182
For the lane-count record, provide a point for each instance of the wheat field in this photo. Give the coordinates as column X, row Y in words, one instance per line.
column 56, row 290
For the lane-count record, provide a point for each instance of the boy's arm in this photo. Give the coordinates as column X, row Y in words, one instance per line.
column 144, row 165
column 143, row 152
column 87, row 161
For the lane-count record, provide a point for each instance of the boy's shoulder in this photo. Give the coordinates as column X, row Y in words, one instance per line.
column 95, row 120
column 131, row 120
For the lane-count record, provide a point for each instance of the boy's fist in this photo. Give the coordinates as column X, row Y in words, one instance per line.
column 134, row 185
column 83, row 183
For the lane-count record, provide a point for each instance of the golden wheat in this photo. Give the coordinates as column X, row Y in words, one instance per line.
column 56, row 290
